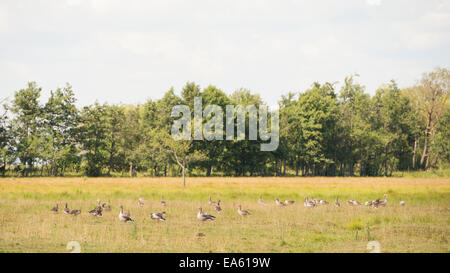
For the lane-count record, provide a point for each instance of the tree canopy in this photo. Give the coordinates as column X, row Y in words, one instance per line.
column 323, row 131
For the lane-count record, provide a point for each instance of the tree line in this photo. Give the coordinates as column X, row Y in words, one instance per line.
column 324, row 131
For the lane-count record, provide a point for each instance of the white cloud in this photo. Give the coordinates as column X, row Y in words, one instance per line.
column 73, row 2
column 129, row 51
column 373, row 2
column 3, row 18
column 437, row 19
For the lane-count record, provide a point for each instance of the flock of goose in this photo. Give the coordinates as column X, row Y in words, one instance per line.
column 125, row 216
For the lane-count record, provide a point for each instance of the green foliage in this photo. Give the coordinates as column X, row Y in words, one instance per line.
column 323, row 132
column 26, row 126
column 92, row 135
column 60, row 120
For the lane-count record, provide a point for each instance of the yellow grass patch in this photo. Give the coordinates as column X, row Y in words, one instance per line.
column 422, row 225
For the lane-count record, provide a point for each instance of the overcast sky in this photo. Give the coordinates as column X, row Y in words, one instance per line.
column 130, row 51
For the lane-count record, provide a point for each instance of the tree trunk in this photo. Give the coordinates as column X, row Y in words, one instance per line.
column 385, row 160
column 425, row 145
column 424, row 153
column 111, row 157
column 131, row 169
column 414, row 154
column 351, row 169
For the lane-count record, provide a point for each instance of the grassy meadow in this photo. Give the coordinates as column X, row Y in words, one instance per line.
column 422, row 225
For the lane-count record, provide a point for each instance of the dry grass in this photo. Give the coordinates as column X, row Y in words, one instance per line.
column 27, row 225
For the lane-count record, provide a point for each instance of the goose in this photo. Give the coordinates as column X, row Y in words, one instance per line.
column 66, row 210
column 158, row 216
column 163, row 203
column 243, row 212
column 204, row 216
column 106, row 206
column 280, row 204
column 55, row 208
column 379, row 203
column 99, row 206
column 75, row 212
column 141, row 202
column 375, row 204
column 211, row 202
column 368, row 203
column 123, row 217
column 289, row 202
column 217, row 208
column 384, row 202
column 336, row 203
column 97, row 211
column 316, row 201
column 260, row 200
column 353, row 203
column 402, row 203
column 309, row 203
column 127, row 213
column 323, row 202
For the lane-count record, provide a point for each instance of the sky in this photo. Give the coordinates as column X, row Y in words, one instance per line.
column 130, row 51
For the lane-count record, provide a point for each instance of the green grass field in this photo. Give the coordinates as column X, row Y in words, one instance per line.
column 422, row 225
